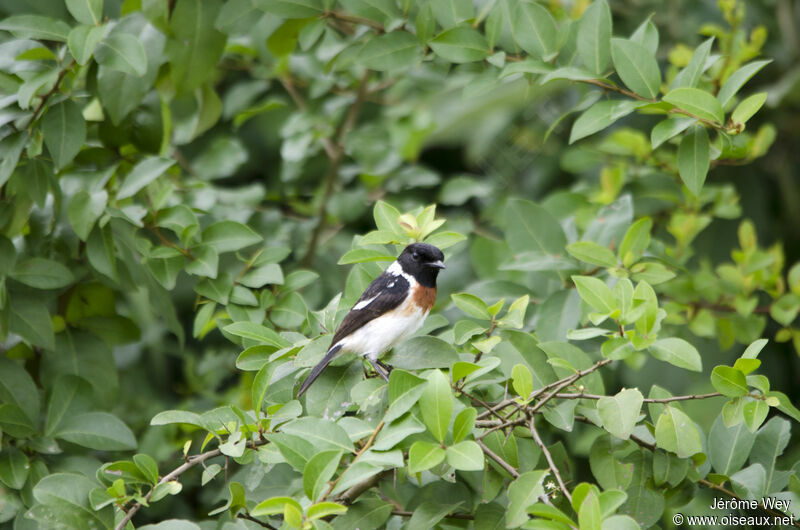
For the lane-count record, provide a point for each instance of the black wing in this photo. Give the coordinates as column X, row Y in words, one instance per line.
column 387, row 292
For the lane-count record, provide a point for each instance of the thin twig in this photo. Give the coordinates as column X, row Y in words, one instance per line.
column 355, row 458
column 558, row 385
column 566, row 382
column 581, row 395
column 49, row 93
column 174, row 474
column 245, row 515
column 349, row 496
column 505, row 465
column 333, row 171
column 344, row 17
column 549, row 457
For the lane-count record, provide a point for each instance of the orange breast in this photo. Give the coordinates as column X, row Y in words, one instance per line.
column 424, row 297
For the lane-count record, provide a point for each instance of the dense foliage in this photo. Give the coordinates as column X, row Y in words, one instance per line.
column 194, row 192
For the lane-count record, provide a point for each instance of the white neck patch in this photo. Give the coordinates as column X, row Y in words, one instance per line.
column 395, row 269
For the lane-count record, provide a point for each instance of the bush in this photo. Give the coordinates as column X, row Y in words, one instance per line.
column 193, row 193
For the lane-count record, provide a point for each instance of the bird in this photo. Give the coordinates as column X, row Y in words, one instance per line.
column 391, row 309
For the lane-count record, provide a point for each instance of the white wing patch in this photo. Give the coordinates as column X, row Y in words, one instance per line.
column 364, row 303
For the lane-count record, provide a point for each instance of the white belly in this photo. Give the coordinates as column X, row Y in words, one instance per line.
column 378, row 335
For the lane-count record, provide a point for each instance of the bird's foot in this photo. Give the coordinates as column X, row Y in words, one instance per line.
column 387, row 368
column 379, row 367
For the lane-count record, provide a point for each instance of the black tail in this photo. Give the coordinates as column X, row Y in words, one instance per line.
column 317, row 370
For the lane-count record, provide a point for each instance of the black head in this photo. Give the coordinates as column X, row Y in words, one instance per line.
column 423, row 262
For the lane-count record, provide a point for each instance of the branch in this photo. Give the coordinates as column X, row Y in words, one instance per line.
column 335, row 154
column 351, row 19
column 174, row 474
column 581, row 395
column 707, row 483
column 548, row 456
column 358, row 455
column 557, row 385
column 505, row 465
column 244, row 515
column 349, row 496
column 618, row 90
column 49, row 93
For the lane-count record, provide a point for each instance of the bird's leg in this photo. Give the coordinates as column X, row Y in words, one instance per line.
column 375, row 364
column 385, row 366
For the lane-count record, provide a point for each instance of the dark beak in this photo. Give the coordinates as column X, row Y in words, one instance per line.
column 437, row 264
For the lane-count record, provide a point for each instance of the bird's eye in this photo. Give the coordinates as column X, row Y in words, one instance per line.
column 415, row 256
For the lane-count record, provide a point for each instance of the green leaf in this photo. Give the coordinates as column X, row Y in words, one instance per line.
column 83, row 40
column 17, row 387
column 271, row 273
column 522, row 380
column 647, row 35
column 37, row 27
column 14, row 467
column 10, row 150
column 405, row 390
column 143, row 174
column 363, row 255
column 84, row 209
column 594, row 36
column 591, row 252
column 676, row 432
column 42, row 273
column 729, row 381
column 694, row 159
column 460, row 44
column 71, row 395
column 256, row 332
column 97, row 430
column 197, row 46
column 420, row 353
column 471, row 305
column 754, row 412
column 534, row 29
column 770, row 443
column 637, row 67
column 531, row 227
column 465, row 456
column 748, row 107
column 698, row 102
column 67, row 494
column 601, row 115
column 729, row 447
column 392, row 51
column 463, row 424
column 595, row 293
column 677, row 352
column 122, row 52
column 737, row 79
column 669, row 128
column 86, row 11
column 324, row 509
column 323, row 433
column 451, row 12
column 522, row 493
column 31, row 320
column 147, row 466
column 274, row 505
column 64, row 131
column 424, row 455
column 620, row 412
column 635, row 242
column 397, row 431
column 293, row 8
column 590, row 516
column 228, row 236
column 318, row 471
column 436, row 404
column 168, row 417
column 690, row 75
